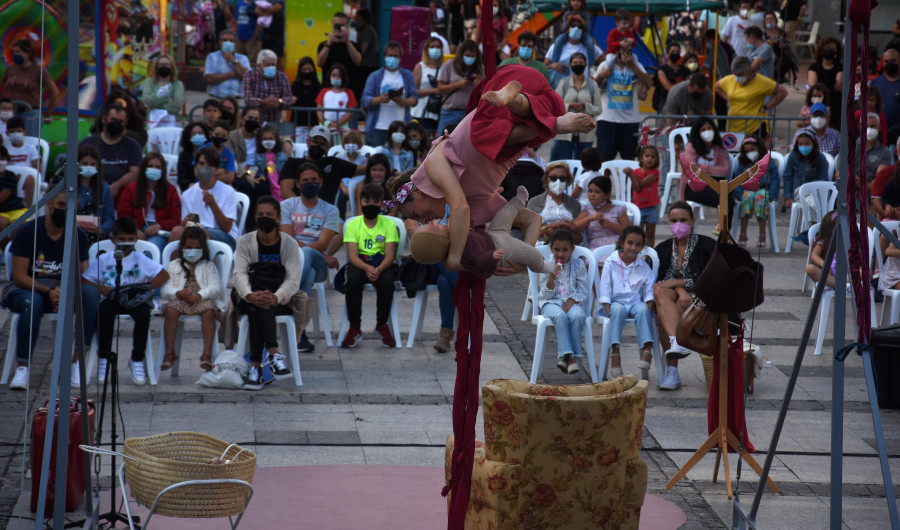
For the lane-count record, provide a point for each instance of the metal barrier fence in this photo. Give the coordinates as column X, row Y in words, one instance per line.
column 288, row 128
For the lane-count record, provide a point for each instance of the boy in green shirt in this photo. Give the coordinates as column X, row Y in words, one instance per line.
column 525, row 55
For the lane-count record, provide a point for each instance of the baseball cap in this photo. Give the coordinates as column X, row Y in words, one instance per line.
column 818, row 107
column 318, row 130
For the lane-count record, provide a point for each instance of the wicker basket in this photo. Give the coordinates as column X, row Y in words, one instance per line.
column 166, row 459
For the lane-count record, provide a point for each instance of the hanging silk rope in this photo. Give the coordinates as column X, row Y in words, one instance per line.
column 469, row 298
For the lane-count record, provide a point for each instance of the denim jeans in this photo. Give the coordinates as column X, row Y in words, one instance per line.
column 30, row 311
column 567, row 150
column 217, row 234
column 643, row 320
column 376, row 138
column 159, row 241
column 569, row 327
column 449, row 117
column 312, row 261
column 446, row 283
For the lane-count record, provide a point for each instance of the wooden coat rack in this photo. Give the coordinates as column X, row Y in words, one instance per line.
column 722, row 437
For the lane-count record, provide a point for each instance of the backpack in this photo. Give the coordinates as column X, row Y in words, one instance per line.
column 590, row 83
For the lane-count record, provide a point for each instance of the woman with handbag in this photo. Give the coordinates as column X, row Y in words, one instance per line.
column 681, row 260
column 266, row 276
column 428, row 109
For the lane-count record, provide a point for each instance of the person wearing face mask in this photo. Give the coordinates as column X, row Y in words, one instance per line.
column 681, row 260
column 575, row 39
column 337, row 96
column 829, row 139
column 888, row 84
column 762, row 56
column 224, row 70
column 785, row 59
column 827, row 68
column 194, row 135
column 756, row 203
column 456, row 80
column 705, row 149
column 580, row 94
column 735, row 27
column 120, row 155
column 691, row 97
column 137, row 270
column 397, row 149
column 7, row 111
column 389, row 95
column 668, row 75
column 313, row 223
column 749, row 94
column 96, row 213
column 618, row 124
column 339, row 49
column 878, row 156
column 208, row 202
column 802, row 165
column 525, row 54
column 267, row 88
column 417, row 139
column 11, row 205
column 425, row 75
column 557, row 208
column 34, row 286
column 378, row 170
column 371, row 241
column 152, row 201
column 218, row 137
column 332, row 169
column 24, row 80
column 20, row 153
column 163, row 93
column 305, row 89
column 351, row 142
column 242, row 141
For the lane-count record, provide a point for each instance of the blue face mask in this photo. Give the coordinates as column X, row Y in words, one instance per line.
column 392, row 63
column 435, row 53
column 750, row 46
column 575, row 34
column 805, row 150
column 525, row 52
column 269, row 72
column 446, row 219
column 309, row 190
column 153, row 173
column 228, row 47
column 468, row 61
column 198, row 140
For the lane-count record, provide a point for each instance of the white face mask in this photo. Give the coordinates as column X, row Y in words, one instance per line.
column 351, row 149
column 871, row 133
column 741, row 79
column 192, row 255
column 558, row 187
column 744, row 13
column 398, row 137
column 496, row 10
column 268, row 144
column 752, row 155
column 818, row 122
column 6, row 115
column 16, row 137
column 707, row 135
column 3, row 164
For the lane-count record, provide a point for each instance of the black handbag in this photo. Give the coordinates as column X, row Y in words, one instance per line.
column 266, row 276
column 134, row 295
column 732, row 281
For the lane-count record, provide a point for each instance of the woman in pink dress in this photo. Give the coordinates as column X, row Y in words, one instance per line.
column 515, row 109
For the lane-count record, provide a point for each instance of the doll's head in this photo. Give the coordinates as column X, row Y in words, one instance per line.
column 430, row 243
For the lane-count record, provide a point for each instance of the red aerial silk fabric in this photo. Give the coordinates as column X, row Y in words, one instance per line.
column 736, row 419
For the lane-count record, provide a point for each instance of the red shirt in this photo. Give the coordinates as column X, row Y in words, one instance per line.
column 648, row 195
column 612, row 41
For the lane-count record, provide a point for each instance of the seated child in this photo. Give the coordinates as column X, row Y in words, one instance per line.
column 485, row 248
column 20, row 153
column 626, row 291
column 193, row 289
column 11, row 205
column 372, row 241
column 562, row 295
column 7, row 111
column 270, row 158
column 755, row 203
column 817, row 254
column 137, row 270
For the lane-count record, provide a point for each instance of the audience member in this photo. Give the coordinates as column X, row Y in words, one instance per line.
column 351, row 142
column 269, row 160
column 425, row 75
column 705, row 149
column 562, row 294
column 267, row 88
column 230, row 109
column 163, row 93
column 247, row 30
column 556, row 208
column 829, row 140
column 456, row 80
column 590, row 168
column 367, row 44
column 389, row 95
column 669, row 73
column 875, row 105
column 828, row 70
column 756, row 203
column 27, row 80
column 886, row 190
column 418, row 141
column 817, row 93
column 11, row 205
column 212, row 112
column 792, row 12
column 689, row 98
column 331, row 168
column 135, row 124
column 622, row 31
column 120, row 155
column 645, row 190
column 218, row 137
column 559, row 53
column 803, row 164
column 617, row 127
column 749, row 94
column 7, row 111
column 152, row 201
column 224, row 70
column 272, row 38
column 378, row 168
column 209, row 203
column 242, row 141
column 785, row 59
column 580, row 94
column 194, row 135
column 336, row 96
column 600, row 220
column 816, row 265
column 21, row 153
column 338, row 49
column 525, row 53
column 96, row 213
column 888, row 84
column 735, row 27
column 397, row 149
column 305, row 89
column 878, row 156
column 761, row 54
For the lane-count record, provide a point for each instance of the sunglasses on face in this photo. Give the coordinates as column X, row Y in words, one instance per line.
column 555, row 178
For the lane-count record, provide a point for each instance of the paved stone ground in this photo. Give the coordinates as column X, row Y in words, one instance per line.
column 372, row 405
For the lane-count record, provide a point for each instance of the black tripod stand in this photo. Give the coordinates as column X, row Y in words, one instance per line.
column 112, row 381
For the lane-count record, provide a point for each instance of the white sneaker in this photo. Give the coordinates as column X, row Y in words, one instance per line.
column 138, row 374
column 672, row 381
column 676, row 351
column 101, row 369
column 76, row 375
column 20, row 380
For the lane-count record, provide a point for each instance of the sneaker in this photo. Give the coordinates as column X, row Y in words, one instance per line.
column 76, row 375
column 672, row 381
column 101, row 369
column 138, row 373
column 20, row 380
column 676, row 351
column 614, row 372
column 304, row 345
column 563, row 363
column 386, row 338
column 254, row 378
column 644, row 366
column 572, row 367
column 354, row 336
column 279, row 367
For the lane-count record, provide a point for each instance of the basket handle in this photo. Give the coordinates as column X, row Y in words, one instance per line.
column 101, row 451
column 232, row 459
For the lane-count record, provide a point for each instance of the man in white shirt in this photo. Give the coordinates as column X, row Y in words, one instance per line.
column 225, row 69
column 734, row 30
column 557, row 58
column 210, row 203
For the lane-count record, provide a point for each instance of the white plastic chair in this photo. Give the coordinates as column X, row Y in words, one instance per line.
column 824, row 195
column 223, row 257
column 574, row 166
column 395, row 319
column 892, row 295
column 633, row 212
column 621, row 182
column 23, row 172
column 367, row 150
column 151, row 251
column 808, row 39
column 336, row 150
column 300, row 150
column 172, row 170
column 543, row 322
column 674, row 172
column 778, row 159
column 418, row 315
column 605, row 345
column 828, row 295
column 351, row 189
column 43, row 152
column 243, row 208
column 164, row 140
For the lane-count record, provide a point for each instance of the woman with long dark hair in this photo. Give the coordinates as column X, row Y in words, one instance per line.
column 152, row 201
column 95, row 200
column 705, row 149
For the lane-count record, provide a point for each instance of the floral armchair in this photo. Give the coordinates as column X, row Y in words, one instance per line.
column 558, row 456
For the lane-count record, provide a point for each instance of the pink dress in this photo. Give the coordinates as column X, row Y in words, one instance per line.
column 475, row 148
column 597, row 235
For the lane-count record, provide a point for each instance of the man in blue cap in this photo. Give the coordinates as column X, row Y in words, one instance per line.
column 829, row 139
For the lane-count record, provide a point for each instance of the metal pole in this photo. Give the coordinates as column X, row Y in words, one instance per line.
column 60, row 379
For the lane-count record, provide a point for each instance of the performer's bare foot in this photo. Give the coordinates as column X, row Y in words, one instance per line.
column 572, row 122
column 504, row 96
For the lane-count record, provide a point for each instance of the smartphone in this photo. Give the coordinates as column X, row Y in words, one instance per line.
column 194, row 217
column 471, row 77
column 395, row 92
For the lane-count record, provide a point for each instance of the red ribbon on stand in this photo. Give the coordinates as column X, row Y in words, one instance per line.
column 469, row 298
column 736, row 419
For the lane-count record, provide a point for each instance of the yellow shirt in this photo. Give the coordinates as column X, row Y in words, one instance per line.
column 746, row 100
